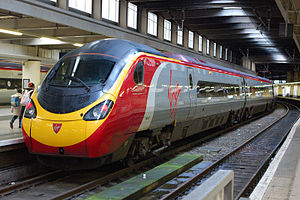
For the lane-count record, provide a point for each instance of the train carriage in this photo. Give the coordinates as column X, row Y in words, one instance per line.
column 113, row 99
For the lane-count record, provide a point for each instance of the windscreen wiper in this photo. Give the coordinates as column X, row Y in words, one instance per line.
column 78, row 80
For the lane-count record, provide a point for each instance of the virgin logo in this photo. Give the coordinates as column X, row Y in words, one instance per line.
column 173, row 94
column 56, row 127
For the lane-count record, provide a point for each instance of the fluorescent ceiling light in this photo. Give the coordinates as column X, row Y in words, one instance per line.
column 78, row 44
column 248, row 31
column 10, row 32
column 256, row 36
column 232, row 8
column 49, row 40
column 279, row 57
column 232, row 12
column 222, row 1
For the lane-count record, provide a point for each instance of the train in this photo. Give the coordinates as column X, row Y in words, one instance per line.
column 11, row 79
column 116, row 100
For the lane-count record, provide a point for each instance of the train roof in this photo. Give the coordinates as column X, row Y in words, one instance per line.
column 196, row 61
column 117, row 48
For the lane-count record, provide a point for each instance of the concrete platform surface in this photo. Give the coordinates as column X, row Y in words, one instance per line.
column 282, row 179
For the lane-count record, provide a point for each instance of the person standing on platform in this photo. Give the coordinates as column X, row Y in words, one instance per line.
column 26, row 98
column 16, row 108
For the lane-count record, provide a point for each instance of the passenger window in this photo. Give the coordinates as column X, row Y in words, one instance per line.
column 212, row 89
column 138, row 74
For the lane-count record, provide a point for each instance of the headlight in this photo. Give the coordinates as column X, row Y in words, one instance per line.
column 30, row 110
column 99, row 111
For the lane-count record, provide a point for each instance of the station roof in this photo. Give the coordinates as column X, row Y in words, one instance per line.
column 255, row 28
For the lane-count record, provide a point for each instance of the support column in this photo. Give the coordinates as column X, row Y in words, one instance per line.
column 174, row 33
column 253, row 66
column 96, row 13
column 233, row 57
column 296, row 76
column 185, row 37
column 196, row 42
column 280, row 92
column 289, row 76
column 32, row 71
column 204, row 40
column 160, row 27
column 62, row 4
column 218, row 51
column 123, row 14
column 247, row 63
column 143, row 17
column 211, row 48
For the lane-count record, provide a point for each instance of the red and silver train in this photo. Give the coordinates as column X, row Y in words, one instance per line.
column 112, row 99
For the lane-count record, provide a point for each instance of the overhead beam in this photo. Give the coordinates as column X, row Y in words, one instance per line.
column 40, row 42
column 196, row 4
column 198, row 14
column 18, row 52
column 27, row 22
column 70, row 39
column 238, row 36
column 210, row 27
column 220, row 32
column 229, row 21
column 221, row 20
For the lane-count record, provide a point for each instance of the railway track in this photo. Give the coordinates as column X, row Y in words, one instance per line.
column 248, row 161
column 66, row 185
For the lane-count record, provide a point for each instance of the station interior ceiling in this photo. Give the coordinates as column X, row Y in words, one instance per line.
column 38, row 32
column 256, row 29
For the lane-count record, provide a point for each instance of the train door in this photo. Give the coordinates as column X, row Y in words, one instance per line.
column 192, row 92
column 139, row 97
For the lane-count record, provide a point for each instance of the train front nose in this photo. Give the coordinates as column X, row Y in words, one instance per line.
column 58, row 137
column 67, row 134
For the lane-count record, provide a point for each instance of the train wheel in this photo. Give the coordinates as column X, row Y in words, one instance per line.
column 139, row 149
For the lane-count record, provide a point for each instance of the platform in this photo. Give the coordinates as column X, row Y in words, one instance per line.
column 282, row 178
column 9, row 136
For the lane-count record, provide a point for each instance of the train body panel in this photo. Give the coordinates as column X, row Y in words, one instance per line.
column 174, row 97
column 147, row 101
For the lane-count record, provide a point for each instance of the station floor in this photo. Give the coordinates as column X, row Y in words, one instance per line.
column 280, row 182
column 9, row 136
